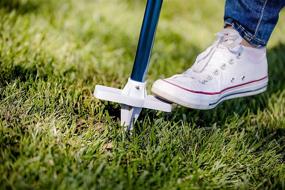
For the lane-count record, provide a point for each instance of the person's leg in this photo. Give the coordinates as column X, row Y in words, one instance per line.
column 253, row 19
column 229, row 68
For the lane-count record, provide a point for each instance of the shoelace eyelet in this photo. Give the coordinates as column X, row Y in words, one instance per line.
column 216, row 72
column 238, row 55
column 209, row 78
column 203, row 81
column 243, row 78
column 231, row 62
column 223, row 67
column 233, row 80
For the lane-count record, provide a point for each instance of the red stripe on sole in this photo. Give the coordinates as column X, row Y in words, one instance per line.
column 214, row 93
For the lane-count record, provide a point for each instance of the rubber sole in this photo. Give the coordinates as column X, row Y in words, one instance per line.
column 211, row 103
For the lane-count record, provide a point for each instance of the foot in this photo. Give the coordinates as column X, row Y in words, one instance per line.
column 224, row 71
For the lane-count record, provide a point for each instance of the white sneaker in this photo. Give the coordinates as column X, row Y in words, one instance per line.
column 224, row 71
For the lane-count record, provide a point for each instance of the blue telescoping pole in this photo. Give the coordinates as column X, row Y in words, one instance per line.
column 146, row 40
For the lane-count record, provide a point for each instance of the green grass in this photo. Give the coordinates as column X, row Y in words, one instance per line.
column 55, row 135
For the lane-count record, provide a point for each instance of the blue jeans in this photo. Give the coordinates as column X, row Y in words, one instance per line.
column 253, row 19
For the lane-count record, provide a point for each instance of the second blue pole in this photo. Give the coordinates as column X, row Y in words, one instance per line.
column 147, row 35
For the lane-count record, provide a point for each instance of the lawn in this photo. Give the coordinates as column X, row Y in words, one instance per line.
column 55, row 135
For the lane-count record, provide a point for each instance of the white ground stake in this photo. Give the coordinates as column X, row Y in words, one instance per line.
column 134, row 97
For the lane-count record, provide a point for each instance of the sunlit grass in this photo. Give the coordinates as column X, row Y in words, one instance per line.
column 55, row 135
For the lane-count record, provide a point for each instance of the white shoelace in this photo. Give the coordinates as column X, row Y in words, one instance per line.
column 227, row 39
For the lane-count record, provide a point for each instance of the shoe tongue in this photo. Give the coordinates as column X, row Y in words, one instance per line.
column 230, row 38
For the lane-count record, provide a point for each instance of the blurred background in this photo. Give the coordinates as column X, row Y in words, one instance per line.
column 103, row 34
column 54, row 134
